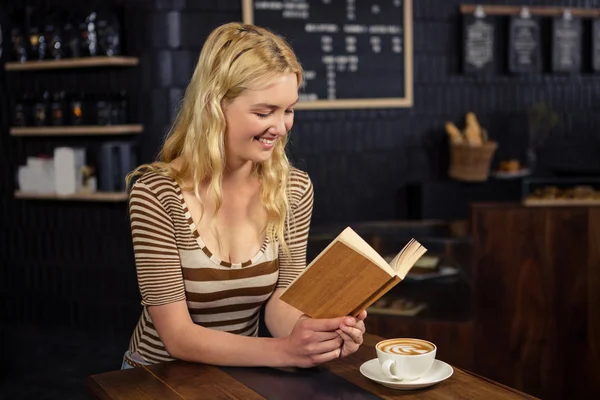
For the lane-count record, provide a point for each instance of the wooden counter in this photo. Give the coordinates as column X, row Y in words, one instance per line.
column 537, row 298
column 337, row 379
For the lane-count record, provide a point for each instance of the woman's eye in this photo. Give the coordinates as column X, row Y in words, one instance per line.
column 289, row 111
column 259, row 115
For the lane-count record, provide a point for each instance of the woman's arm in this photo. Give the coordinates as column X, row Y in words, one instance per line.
column 280, row 317
column 309, row 343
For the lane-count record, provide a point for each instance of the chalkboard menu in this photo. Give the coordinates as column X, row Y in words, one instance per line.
column 355, row 53
column 566, row 44
column 478, row 45
column 525, row 54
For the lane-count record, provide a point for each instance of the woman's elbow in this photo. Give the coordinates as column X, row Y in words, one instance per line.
column 175, row 343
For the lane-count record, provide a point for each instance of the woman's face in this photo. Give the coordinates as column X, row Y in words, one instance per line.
column 257, row 119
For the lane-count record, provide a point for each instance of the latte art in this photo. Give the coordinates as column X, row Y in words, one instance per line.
column 407, row 347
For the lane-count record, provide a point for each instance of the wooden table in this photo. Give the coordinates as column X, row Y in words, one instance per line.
column 183, row 380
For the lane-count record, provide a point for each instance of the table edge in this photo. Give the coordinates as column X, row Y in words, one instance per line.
column 95, row 388
column 495, row 383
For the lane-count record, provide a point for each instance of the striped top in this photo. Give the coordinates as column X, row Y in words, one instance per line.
column 173, row 264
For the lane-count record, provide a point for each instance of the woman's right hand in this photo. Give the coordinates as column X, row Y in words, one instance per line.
column 313, row 341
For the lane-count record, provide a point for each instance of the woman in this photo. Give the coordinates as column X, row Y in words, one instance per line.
column 220, row 224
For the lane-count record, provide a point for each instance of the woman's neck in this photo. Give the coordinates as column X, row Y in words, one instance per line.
column 239, row 175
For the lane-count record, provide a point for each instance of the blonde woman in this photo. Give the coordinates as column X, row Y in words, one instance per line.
column 220, row 223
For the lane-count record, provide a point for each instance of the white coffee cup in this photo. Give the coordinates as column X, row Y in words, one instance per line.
column 405, row 358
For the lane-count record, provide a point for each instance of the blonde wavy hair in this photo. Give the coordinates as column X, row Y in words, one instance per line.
column 235, row 57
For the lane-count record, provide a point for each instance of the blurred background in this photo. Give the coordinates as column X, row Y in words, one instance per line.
column 471, row 128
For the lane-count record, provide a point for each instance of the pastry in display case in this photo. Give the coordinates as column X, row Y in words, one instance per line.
column 561, row 192
column 389, row 305
column 429, row 266
column 510, row 169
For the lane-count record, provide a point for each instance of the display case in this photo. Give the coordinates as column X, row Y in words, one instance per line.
column 434, row 301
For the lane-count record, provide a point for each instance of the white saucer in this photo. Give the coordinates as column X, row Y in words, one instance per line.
column 438, row 372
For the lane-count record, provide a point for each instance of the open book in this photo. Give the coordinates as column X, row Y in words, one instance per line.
column 348, row 276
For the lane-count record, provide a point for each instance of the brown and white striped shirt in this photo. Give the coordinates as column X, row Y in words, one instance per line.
column 173, row 264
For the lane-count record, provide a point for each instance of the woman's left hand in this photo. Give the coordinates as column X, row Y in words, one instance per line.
column 352, row 330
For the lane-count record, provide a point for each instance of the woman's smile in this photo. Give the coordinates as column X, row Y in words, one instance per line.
column 266, row 143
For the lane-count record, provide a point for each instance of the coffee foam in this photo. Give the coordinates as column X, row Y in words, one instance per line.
column 408, row 347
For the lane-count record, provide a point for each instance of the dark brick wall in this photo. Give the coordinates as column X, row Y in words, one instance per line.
column 360, row 159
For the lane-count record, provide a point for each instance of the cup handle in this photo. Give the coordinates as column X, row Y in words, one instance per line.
column 386, row 368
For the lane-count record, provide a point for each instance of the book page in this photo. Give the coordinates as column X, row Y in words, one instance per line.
column 407, row 257
column 353, row 240
column 400, row 257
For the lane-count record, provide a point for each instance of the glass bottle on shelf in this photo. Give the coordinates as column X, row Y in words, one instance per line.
column 34, row 37
column 103, row 109
column 57, row 109
column 77, row 109
column 20, row 111
column 41, row 110
column 109, row 33
column 55, row 42
column 113, row 105
column 89, row 36
column 71, row 40
column 123, row 107
column 19, row 44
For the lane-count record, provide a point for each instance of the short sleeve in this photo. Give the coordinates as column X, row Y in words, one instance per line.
column 157, row 262
column 301, row 198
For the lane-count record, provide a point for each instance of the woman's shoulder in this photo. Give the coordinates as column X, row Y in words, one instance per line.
column 157, row 181
column 299, row 178
column 300, row 187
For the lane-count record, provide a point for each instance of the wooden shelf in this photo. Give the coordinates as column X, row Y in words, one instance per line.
column 561, row 202
column 76, row 130
column 399, row 313
column 542, row 11
column 84, row 62
column 112, row 197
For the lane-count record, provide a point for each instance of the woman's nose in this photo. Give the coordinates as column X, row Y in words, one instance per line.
column 278, row 127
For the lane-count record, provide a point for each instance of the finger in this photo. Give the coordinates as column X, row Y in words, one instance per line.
column 323, row 336
column 345, row 336
column 361, row 326
column 358, row 328
column 351, row 322
column 362, row 315
column 355, row 333
column 325, row 357
column 349, row 345
column 323, row 325
column 325, row 347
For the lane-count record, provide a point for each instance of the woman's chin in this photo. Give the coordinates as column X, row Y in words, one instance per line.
column 262, row 159
column 262, row 156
